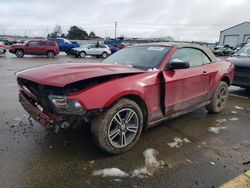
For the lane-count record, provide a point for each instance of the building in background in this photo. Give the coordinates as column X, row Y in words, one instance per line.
column 236, row 35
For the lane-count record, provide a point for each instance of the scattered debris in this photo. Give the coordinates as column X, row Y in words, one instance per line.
column 12, row 125
column 221, row 120
column 216, row 130
column 212, row 163
column 234, row 119
column 189, row 161
column 234, row 112
column 236, row 147
column 110, row 172
column 117, row 180
column 239, row 107
column 91, row 162
column 246, row 163
column 186, row 140
column 178, row 142
column 19, row 119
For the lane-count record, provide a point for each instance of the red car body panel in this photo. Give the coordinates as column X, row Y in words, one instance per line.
column 62, row 74
column 36, row 50
column 180, row 89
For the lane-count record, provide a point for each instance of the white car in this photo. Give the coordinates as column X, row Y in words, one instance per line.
column 2, row 48
column 93, row 50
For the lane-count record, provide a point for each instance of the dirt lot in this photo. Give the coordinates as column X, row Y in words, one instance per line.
column 33, row 157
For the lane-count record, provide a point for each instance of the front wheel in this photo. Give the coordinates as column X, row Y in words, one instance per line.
column 219, row 99
column 82, row 54
column 19, row 53
column 104, row 55
column 118, row 129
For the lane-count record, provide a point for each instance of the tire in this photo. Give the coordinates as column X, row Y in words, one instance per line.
column 109, row 132
column 219, row 99
column 82, row 54
column 104, row 55
column 19, row 53
column 68, row 52
column 50, row 54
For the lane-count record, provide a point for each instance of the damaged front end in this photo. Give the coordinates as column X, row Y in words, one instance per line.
column 50, row 106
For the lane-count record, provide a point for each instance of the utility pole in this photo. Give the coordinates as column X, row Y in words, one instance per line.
column 115, row 28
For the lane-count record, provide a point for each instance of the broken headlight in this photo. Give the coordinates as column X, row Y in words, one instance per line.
column 66, row 106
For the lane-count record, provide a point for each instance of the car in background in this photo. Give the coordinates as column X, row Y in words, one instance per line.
column 241, row 61
column 134, row 89
column 97, row 50
column 113, row 48
column 2, row 48
column 65, row 45
column 120, row 46
column 35, row 47
column 224, row 51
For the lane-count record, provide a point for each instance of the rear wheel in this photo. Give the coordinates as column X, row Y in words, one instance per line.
column 50, row 54
column 219, row 99
column 104, row 55
column 82, row 54
column 118, row 129
column 19, row 53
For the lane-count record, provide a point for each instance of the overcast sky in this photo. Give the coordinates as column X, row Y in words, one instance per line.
column 181, row 19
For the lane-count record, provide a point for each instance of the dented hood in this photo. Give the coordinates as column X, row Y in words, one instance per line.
column 62, row 74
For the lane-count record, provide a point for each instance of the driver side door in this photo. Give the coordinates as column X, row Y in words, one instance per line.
column 185, row 88
column 31, row 48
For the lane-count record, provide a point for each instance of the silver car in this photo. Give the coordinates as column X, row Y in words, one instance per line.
column 97, row 50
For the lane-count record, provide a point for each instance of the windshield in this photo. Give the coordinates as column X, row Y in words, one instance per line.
column 245, row 51
column 142, row 57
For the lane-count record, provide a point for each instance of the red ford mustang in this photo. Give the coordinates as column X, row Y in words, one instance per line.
column 134, row 89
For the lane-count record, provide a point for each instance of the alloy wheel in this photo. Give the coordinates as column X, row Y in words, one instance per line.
column 123, row 128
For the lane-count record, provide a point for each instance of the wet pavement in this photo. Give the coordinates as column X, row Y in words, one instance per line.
column 33, row 157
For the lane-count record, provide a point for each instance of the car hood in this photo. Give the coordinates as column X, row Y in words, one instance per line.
column 61, row 75
column 240, row 61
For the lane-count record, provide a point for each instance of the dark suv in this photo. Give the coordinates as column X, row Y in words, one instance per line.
column 35, row 47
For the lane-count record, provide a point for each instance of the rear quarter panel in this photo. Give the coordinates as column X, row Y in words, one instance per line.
column 216, row 72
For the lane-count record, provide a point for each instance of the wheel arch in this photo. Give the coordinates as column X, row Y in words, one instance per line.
column 19, row 49
column 226, row 79
column 139, row 101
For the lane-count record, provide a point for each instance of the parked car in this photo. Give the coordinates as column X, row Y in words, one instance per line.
column 65, row 45
column 133, row 89
column 2, row 48
column 224, row 51
column 97, row 50
column 35, row 47
column 113, row 48
column 241, row 61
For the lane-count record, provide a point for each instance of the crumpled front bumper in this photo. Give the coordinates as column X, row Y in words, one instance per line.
column 46, row 120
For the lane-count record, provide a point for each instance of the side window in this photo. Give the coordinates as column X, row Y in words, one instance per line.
column 42, row 43
column 32, row 43
column 206, row 60
column 190, row 55
column 51, row 43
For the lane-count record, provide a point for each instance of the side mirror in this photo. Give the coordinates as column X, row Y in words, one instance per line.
column 176, row 64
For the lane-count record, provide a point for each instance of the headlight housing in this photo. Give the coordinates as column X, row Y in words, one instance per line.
column 66, row 106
